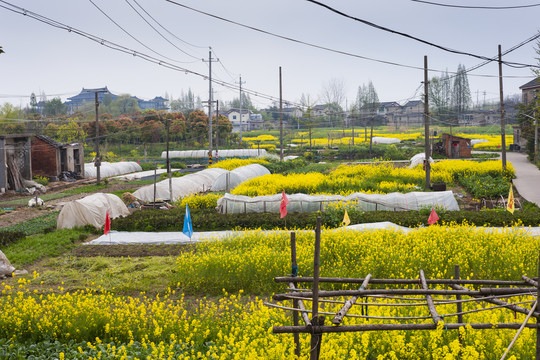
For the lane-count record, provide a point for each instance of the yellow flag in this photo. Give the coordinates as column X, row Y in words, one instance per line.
column 511, row 207
column 346, row 220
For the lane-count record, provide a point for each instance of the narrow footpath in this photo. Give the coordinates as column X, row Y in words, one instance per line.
column 527, row 181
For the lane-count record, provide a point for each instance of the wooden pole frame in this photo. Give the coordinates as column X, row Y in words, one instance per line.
column 316, row 326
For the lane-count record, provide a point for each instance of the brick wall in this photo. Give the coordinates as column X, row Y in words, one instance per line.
column 44, row 158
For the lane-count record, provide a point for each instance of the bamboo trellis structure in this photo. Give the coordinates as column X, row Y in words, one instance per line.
column 495, row 292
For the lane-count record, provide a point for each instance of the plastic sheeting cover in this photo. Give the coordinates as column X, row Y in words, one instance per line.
column 385, row 140
column 111, row 169
column 477, row 141
column 310, row 203
column 186, row 185
column 419, row 159
column 222, row 153
column 233, row 178
column 91, row 210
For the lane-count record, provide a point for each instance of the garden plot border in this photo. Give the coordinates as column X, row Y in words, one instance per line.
column 494, row 294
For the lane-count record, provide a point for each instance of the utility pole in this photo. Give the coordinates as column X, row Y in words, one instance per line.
column 210, row 60
column 167, row 122
column 503, row 135
column 280, row 117
column 97, row 162
column 217, row 130
column 426, row 123
column 240, row 82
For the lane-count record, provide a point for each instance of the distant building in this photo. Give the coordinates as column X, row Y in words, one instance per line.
column 236, row 120
column 530, row 90
column 88, row 95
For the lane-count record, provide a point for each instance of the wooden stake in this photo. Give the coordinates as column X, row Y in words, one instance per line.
column 430, row 304
column 294, row 273
column 338, row 319
column 316, row 320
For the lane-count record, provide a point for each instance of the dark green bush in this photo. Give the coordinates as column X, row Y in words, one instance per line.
column 210, row 220
column 8, row 237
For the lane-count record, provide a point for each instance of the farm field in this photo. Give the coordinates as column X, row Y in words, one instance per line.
column 209, row 303
column 210, row 300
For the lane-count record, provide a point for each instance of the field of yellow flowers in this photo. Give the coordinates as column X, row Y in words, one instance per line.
column 214, row 307
column 381, row 178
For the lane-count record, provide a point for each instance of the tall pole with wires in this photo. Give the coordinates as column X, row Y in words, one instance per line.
column 210, row 103
column 280, row 118
column 503, row 135
column 97, row 162
column 426, row 124
column 240, row 108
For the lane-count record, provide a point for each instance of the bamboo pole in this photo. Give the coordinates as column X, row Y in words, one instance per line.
column 287, row 279
column 529, row 281
column 338, row 319
column 316, row 320
column 429, row 300
column 302, row 308
column 519, row 331
column 392, row 327
column 513, row 307
column 420, row 292
column 296, row 302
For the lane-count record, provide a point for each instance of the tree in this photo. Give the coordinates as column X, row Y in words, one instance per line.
column 308, row 120
column 367, row 101
column 71, row 132
column 1, row 50
column 33, row 103
column 461, row 94
column 124, row 104
column 54, row 107
column 333, row 95
column 440, row 96
column 197, row 124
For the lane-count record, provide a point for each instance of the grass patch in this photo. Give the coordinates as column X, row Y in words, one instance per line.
column 119, row 275
column 85, row 189
column 33, row 248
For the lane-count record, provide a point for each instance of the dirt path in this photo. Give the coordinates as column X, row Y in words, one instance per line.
column 24, row 213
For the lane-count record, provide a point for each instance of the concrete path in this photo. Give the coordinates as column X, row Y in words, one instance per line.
column 527, row 181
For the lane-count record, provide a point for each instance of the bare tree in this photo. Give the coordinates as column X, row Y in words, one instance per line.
column 367, row 101
column 333, row 95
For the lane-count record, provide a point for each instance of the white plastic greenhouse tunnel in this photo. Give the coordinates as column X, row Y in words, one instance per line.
column 197, row 154
column 91, row 210
column 385, row 140
column 234, row 204
column 419, row 159
column 111, row 169
column 186, row 185
column 233, row 178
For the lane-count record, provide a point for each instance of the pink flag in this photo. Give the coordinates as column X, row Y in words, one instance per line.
column 107, row 223
column 283, row 205
column 433, row 217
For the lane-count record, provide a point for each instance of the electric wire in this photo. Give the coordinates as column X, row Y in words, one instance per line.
column 131, row 36
column 477, row 7
column 164, row 28
column 409, row 36
column 159, row 33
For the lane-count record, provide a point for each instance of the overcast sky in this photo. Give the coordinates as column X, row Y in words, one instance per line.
column 42, row 58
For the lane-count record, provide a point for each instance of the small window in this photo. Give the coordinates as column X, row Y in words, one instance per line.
column 234, row 117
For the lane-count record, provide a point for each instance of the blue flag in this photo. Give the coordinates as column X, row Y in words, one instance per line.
column 188, row 228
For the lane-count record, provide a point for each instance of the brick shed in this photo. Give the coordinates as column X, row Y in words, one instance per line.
column 50, row 158
column 456, row 147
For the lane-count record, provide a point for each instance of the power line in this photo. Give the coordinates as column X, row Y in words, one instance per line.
column 478, row 7
column 133, row 37
column 164, row 28
column 407, row 35
column 156, row 30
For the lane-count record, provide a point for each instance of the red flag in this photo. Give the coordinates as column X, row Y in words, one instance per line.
column 107, row 223
column 433, row 217
column 283, row 205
